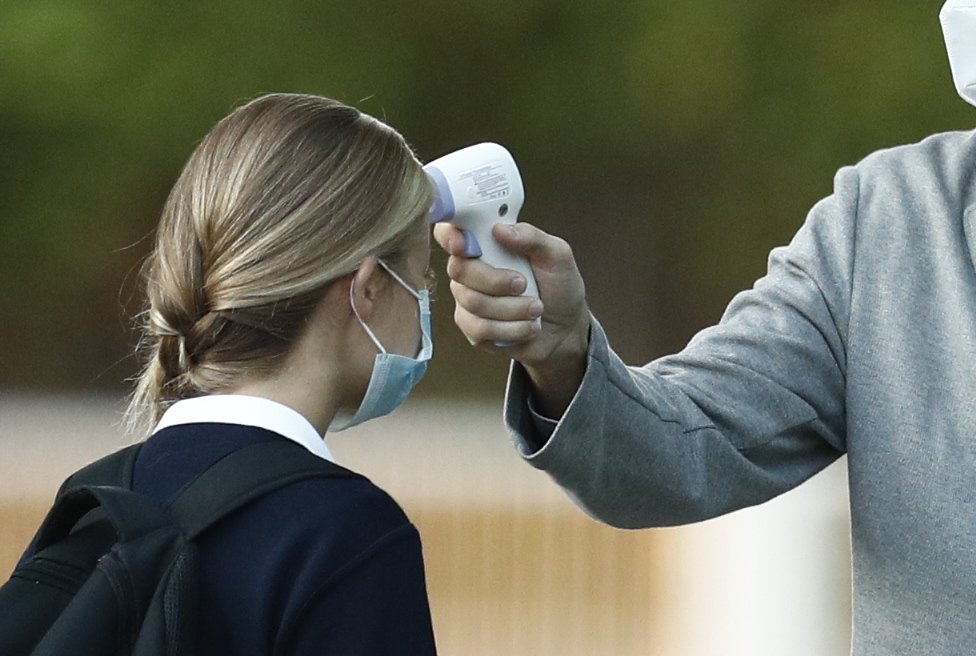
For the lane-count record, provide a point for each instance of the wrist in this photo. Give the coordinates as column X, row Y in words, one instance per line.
column 556, row 379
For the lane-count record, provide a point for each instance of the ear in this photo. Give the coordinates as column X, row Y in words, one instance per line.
column 367, row 282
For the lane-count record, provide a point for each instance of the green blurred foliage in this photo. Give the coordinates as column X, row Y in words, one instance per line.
column 673, row 144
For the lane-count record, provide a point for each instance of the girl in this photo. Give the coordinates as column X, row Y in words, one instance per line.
column 287, row 298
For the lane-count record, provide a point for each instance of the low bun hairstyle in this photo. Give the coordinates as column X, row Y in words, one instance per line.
column 282, row 197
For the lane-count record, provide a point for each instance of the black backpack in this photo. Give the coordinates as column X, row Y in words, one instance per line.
column 114, row 572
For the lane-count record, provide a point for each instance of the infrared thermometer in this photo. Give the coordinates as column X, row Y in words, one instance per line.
column 477, row 187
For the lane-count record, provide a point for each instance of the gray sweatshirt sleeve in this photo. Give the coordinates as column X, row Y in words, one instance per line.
column 749, row 409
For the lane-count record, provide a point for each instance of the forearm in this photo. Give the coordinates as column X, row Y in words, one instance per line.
column 751, row 408
column 635, row 449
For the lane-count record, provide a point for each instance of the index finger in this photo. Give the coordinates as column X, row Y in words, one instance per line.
column 482, row 277
column 450, row 238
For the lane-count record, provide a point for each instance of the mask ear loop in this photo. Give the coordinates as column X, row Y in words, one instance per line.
column 423, row 300
column 369, row 331
column 400, row 280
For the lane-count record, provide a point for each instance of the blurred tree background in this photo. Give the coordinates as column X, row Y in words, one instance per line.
column 672, row 143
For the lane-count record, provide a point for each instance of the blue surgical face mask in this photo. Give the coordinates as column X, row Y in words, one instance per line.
column 394, row 376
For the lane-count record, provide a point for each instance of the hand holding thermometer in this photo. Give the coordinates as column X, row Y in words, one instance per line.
column 477, row 187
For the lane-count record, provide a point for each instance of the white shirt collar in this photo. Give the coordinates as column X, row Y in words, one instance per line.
column 246, row 411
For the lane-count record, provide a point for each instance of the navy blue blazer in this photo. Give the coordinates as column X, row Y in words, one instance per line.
column 322, row 566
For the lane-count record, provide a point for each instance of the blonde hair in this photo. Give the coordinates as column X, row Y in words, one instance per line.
column 282, row 197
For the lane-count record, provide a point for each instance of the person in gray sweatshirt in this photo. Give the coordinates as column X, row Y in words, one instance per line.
column 859, row 340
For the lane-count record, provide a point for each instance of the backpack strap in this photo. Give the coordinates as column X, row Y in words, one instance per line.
column 129, row 514
column 114, row 469
column 243, row 476
column 233, row 482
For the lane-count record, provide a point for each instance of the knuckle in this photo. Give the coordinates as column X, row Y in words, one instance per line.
column 469, row 299
column 477, row 330
column 466, row 323
column 561, row 249
column 456, row 267
column 441, row 235
column 452, row 268
column 472, row 326
column 442, row 230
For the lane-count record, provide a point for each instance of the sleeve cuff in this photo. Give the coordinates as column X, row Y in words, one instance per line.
column 531, row 432
column 544, row 426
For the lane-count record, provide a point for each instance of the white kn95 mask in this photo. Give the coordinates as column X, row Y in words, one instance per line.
column 958, row 19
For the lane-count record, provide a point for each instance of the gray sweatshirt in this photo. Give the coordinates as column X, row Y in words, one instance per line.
column 860, row 339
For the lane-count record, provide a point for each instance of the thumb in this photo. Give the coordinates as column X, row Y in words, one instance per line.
column 539, row 247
